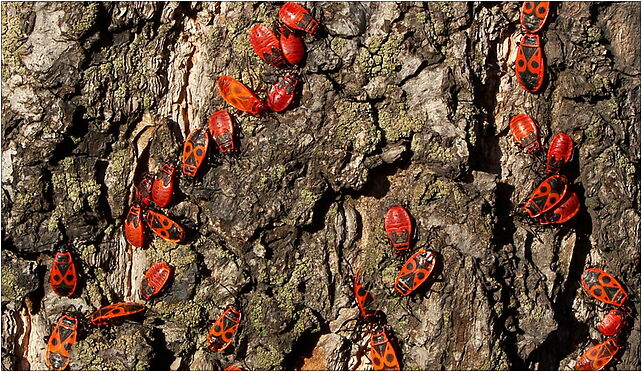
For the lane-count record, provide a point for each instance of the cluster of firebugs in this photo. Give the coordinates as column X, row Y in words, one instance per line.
column 284, row 52
column 550, row 203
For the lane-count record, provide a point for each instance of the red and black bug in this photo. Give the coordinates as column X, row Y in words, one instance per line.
column 297, row 17
column 233, row 368
column 155, row 279
column 223, row 330
column 603, row 286
column 240, row 96
column 62, row 338
column 533, row 15
column 563, row 212
column 266, row 45
column 164, row 227
column 525, row 132
column 398, row 226
column 163, row 186
column 281, row 94
column 143, row 194
column 134, row 230
column 547, row 195
column 559, row 153
column 115, row 312
column 63, row 276
column 613, row 322
column 364, row 298
column 598, row 356
column 415, row 271
column 292, row 45
column 529, row 65
column 382, row 352
column 194, row 151
column 222, row 130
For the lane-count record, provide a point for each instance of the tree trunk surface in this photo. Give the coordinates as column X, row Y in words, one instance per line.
column 401, row 104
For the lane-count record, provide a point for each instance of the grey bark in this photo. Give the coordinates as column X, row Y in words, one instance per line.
column 402, row 103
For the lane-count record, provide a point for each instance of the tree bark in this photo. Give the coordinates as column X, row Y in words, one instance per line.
column 403, row 103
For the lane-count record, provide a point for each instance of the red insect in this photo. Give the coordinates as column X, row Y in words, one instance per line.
column 613, row 322
column 525, row 133
column 382, row 352
column 559, row 153
column 164, row 227
column 364, row 298
column 222, row 130
column 564, row 211
column 143, row 194
column 115, row 312
column 529, row 65
column 163, row 186
column 63, row 276
column 223, row 330
column 597, row 357
column 233, row 368
column 415, row 271
column 398, row 226
column 292, row 45
column 155, row 279
column 266, row 45
column 281, row 94
column 62, row 338
column 547, row 195
column 239, row 96
column 297, row 17
column 533, row 15
column 603, row 286
column 134, row 230
column 194, row 151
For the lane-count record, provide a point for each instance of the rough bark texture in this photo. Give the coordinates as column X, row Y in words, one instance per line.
column 403, row 103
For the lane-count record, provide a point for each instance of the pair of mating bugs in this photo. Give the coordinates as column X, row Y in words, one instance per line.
column 63, row 279
column 551, row 202
column 529, row 65
column 604, row 287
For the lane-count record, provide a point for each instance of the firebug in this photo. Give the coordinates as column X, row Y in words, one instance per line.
column 297, row 17
column 115, row 312
column 598, row 356
column 221, row 129
column 382, row 352
column 63, row 278
column 194, row 151
column 62, row 338
column 547, row 195
column 529, row 65
column 266, row 45
column 603, row 286
column 534, row 15
column 134, row 230
column 525, row 132
column 398, row 226
column 156, row 277
column 240, row 96
column 222, row 332
column 282, row 92
column 559, row 153
column 164, row 227
column 163, row 185
column 415, row 271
